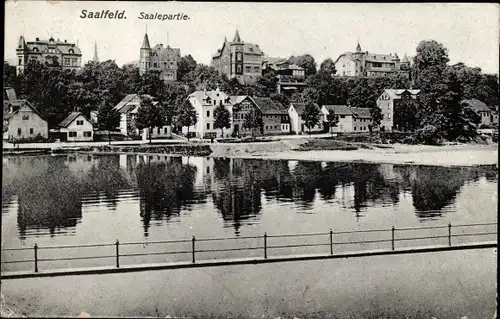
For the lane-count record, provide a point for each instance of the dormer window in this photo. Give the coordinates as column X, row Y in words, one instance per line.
column 71, row 51
column 35, row 49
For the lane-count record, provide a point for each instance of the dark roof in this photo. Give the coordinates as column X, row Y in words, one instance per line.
column 248, row 48
column 70, row 118
column 161, row 53
column 357, row 112
column 42, row 46
column 268, row 106
column 477, row 105
column 145, row 42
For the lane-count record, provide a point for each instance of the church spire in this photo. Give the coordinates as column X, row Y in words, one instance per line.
column 358, row 47
column 96, row 58
column 145, row 42
column 237, row 38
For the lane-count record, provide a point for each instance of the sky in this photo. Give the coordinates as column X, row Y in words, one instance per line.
column 469, row 31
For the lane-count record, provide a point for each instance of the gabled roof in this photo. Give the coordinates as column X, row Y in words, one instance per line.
column 357, row 112
column 128, row 105
column 268, row 106
column 477, row 105
column 201, row 96
column 70, row 118
column 19, row 104
column 396, row 93
column 299, row 107
column 235, row 99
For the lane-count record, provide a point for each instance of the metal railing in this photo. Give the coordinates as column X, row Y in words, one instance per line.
column 265, row 247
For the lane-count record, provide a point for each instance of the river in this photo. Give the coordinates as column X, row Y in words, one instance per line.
column 92, row 199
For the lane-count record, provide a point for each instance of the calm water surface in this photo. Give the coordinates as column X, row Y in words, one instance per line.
column 84, row 199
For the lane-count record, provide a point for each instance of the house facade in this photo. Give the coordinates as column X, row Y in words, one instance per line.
column 128, row 108
column 291, row 77
column 205, row 102
column 486, row 114
column 22, row 122
column 159, row 58
column 275, row 117
column 388, row 100
column 77, row 128
column 364, row 63
column 297, row 125
column 67, row 54
column 238, row 59
column 351, row 119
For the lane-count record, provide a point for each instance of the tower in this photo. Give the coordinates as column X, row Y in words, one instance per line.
column 22, row 55
column 359, row 61
column 145, row 58
column 96, row 58
column 396, row 60
column 237, row 56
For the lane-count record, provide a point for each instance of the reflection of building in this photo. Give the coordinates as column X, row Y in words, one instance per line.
column 388, row 100
column 351, row 119
column 23, row 122
column 161, row 59
column 66, row 54
column 365, row 63
column 297, row 123
column 239, row 60
column 77, row 127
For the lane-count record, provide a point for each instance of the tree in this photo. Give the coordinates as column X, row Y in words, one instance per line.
column 328, row 66
column 222, row 118
column 376, row 114
column 310, row 115
column 332, row 119
column 108, row 117
column 267, row 84
column 185, row 65
column 253, row 120
column 306, row 62
column 151, row 84
column 187, row 116
column 406, row 115
column 149, row 116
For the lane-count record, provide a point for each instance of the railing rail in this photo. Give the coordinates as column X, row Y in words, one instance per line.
column 265, row 247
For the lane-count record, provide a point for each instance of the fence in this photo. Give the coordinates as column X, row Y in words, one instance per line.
column 391, row 239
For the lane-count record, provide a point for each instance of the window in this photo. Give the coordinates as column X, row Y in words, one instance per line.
column 389, row 116
column 208, row 169
column 26, row 117
column 71, row 51
column 87, row 134
column 158, row 131
column 342, row 116
column 35, row 49
column 31, row 131
column 355, row 128
column 66, row 62
column 238, row 68
column 208, row 112
column 155, row 64
column 72, row 134
column 19, row 131
column 208, row 126
column 79, row 122
column 248, row 69
column 165, row 130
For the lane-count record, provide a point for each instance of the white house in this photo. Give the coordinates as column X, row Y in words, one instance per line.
column 297, row 124
column 351, row 119
column 23, row 122
column 128, row 108
column 77, row 127
column 482, row 110
column 205, row 102
column 388, row 100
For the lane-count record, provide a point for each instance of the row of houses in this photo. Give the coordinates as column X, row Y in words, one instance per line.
column 23, row 122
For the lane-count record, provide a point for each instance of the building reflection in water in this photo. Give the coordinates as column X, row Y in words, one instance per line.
column 49, row 189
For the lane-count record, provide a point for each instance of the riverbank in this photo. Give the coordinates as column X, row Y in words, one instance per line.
column 448, row 155
column 439, row 285
column 302, row 150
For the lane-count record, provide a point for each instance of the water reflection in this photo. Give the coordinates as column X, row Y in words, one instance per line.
column 52, row 191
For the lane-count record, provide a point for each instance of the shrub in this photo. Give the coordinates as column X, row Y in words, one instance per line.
column 429, row 135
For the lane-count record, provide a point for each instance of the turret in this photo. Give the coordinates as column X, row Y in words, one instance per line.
column 96, row 58
column 145, row 58
column 358, row 47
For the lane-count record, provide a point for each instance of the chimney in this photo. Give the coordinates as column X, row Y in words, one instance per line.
column 37, row 39
column 65, row 41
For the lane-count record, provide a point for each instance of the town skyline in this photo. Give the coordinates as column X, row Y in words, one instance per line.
column 470, row 32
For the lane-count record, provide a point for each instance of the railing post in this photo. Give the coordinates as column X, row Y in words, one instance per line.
column 193, row 240
column 36, row 257
column 449, row 234
column 393, row 229
column 117, row 254
column 331, row 242
column 265, row 245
